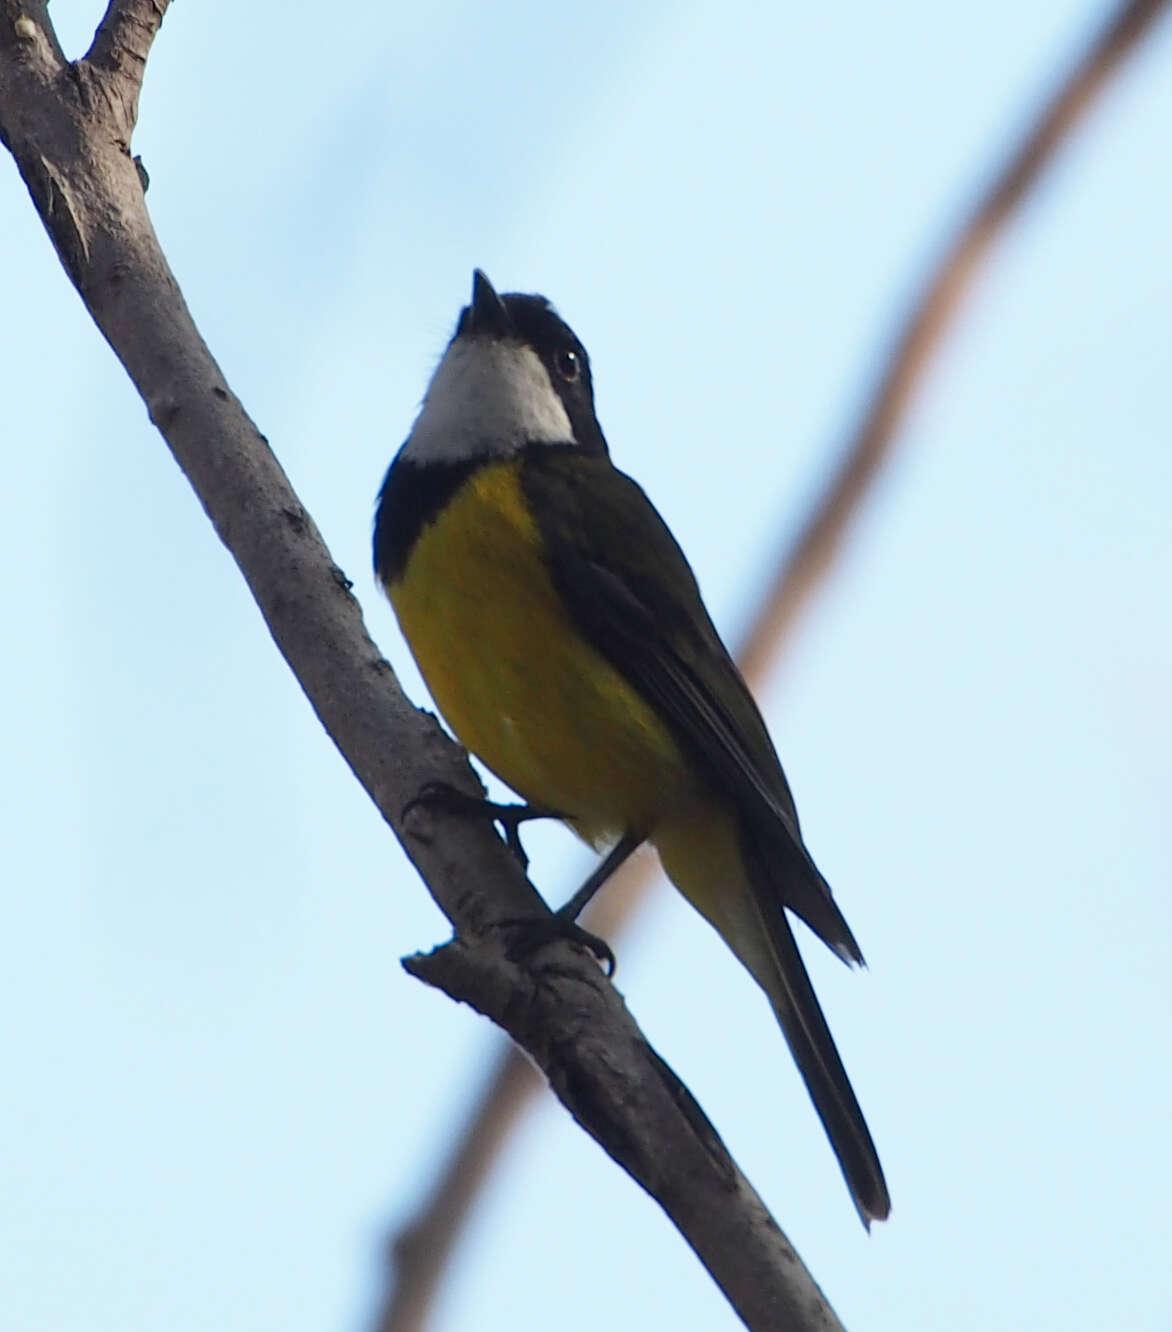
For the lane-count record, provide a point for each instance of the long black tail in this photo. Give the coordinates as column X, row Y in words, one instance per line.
column 814, row 1051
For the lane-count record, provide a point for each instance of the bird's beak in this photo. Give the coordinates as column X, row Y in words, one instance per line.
column 487, row 315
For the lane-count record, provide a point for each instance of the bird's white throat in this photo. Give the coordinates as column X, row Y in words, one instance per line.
column 487, row 397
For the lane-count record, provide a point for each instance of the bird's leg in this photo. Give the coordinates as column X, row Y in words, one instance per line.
column 440, row 795
column 614, row 858
column 563, row 923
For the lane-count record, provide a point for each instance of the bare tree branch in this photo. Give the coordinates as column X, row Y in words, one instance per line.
column 30, row 25
column 820, row 542
column 124, row 36
column 575, row 1026
column 67, row 127
column 421, row 1249
column 89, row 196
column 123, row 39
column 118, row 54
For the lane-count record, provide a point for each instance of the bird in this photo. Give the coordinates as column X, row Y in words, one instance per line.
column 562, row 634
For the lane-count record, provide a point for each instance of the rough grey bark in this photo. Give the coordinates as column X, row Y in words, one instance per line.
column 68, row 127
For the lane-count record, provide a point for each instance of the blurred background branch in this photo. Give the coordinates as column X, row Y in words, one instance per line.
column 421, row 1248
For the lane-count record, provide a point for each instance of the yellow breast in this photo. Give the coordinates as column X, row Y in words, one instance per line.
column 515, row 680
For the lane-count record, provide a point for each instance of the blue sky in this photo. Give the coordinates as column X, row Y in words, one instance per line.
column 220, row 1090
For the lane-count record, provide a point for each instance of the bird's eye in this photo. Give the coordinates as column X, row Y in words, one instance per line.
column 568, row 364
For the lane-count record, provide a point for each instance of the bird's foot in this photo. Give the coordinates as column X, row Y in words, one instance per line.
column 441, row 795
column 529, row 933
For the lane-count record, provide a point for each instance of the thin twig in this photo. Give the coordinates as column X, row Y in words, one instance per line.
column 422, row 1248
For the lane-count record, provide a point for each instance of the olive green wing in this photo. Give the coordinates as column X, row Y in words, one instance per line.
column 633, row 596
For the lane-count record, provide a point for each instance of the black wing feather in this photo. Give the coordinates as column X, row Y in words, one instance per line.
column 638, row 603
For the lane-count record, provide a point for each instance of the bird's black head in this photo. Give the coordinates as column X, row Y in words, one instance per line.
column 531, row 321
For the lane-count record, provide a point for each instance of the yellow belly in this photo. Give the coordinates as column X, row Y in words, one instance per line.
column 515, row 680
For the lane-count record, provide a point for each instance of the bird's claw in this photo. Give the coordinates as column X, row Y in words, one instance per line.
column 529, row 933
column 442, row 795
